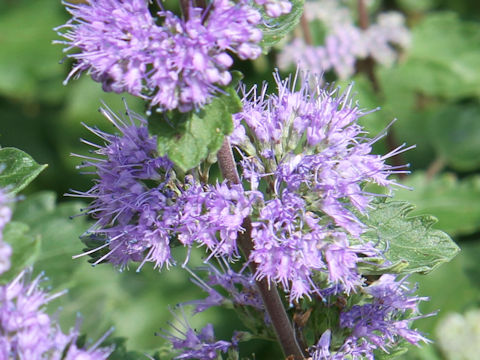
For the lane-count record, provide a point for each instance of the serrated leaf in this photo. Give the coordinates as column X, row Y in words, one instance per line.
column 275, row 29
column 25, row 248
column 17, row 169
column 189, row 141
column 456, row 203
column 408, row 242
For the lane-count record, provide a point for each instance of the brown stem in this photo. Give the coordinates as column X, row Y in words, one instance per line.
column 435, row 167
column 307, row 35
column 270, row 296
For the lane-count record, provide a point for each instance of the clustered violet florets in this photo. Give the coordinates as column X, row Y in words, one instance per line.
column 27, row 332
column 378, row 324
column 310, row 151
column 178, row 64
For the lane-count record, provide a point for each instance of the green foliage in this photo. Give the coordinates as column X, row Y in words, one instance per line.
column 410, row 244
column 443, row 60
column 17, row 169
column 29, row 66
column 455, row 131
column 276, row 29
column 25, row 247
column 189, row 139
column 456, row 203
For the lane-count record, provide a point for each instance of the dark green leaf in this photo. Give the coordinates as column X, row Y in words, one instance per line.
column 455, row 134
column 275, row 29
column 189, row 141
column 410, row 244
column 17, row 169
column 456, row 203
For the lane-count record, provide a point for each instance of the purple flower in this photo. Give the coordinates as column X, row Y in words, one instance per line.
column 27, row 332
column 178, row 64
column 307, row 148
column 240, row 288
column 213, row 216
column 195, row 345
column 388, row 317
column 378, row 324
column 134, row 197
column 275, row 8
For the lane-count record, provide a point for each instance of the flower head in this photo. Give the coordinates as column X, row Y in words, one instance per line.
column 133, row 200
column 308, row 149
column 195, row 344
column 177, row 64
column 27, row 332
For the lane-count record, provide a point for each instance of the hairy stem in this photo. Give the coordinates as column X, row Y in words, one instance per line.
column 270, row 296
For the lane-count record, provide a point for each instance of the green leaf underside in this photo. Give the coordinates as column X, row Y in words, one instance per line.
column 190, row 141
column 275, row 29
column 410, row 244
column 17, row 169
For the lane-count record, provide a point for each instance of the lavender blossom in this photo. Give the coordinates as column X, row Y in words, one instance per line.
column 387, row 318
column 275, row 8
column 344, row 42
column 196, row 345
column 308, row 149
column 134, row 198
column 27, row 332
column 213, row 216
column 5, row 216
column 238, row 288
column 378, row 324
column 178, row 64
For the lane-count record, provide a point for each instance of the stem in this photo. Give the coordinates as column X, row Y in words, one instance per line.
column 435, row 167
column 270, row 296
column 307, row 35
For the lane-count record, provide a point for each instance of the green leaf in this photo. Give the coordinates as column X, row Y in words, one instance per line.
column 456, row 203
column 188, row 141
column 455, row 134
column 275, row 29
column 58, row 232
column 17, row 169
column 29, row 63
column 443, row 60
column 409, row 243
column 25, row 248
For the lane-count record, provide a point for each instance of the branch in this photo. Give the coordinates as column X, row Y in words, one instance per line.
column 270, row 296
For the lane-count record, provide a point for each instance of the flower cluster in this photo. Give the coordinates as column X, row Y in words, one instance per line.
column 308, row 149
column 378, row 324
column 5, row 216
column 275, row 8
column 240, row 288
column 176, row 65
column 196, row 345
column 27, row 332
column 132, row 216
column 345, row 43
column 140, row 206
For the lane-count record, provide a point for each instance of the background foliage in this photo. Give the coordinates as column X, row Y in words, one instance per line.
column 434, row 92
